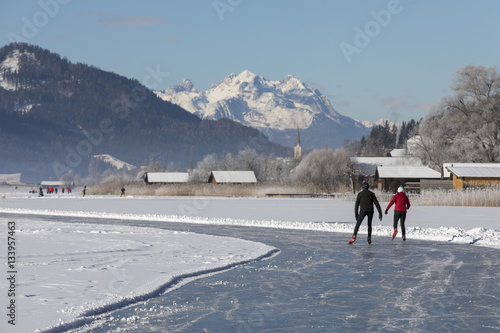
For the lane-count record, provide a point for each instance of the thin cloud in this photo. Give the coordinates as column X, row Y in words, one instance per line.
column 126, row 20
column 397, row 103
column 405, row 103
column 345, row 104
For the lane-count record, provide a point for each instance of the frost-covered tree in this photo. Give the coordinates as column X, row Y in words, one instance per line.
column 266, row 168
column 323, row 169
column 464, row 127
column 202, row 171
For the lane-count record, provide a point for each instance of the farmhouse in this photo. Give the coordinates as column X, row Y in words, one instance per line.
column 166, row 177
column 389, row 178
column 467, row 175
column 232, row 177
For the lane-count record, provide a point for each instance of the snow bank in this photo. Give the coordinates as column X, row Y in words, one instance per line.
column 70, row 274
column 476, row 236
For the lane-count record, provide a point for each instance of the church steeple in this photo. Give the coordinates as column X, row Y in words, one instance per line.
column 297, row 150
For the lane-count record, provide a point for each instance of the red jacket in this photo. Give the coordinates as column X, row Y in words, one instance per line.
column 402, row 202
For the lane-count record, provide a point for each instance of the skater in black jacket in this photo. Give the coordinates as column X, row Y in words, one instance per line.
column 365, row 201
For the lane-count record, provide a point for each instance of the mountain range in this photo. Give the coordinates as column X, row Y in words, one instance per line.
column 56, row 115
column 276, row 108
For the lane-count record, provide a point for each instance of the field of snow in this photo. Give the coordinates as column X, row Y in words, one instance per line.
column 68, row 271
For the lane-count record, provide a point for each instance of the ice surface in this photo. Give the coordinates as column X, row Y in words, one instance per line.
column 320, row 284
column 68, row 271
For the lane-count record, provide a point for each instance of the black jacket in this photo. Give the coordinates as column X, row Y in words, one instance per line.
column 366, row 199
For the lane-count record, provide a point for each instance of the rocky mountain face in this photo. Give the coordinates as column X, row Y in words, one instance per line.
column 276, row 108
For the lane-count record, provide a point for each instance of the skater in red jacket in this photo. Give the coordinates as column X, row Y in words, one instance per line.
column 402, row 205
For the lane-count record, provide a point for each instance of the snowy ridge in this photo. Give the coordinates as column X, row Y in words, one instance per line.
column 380, row 122
column 118, row 164
column 270, row 106
column 254, row 101
column 474, row 236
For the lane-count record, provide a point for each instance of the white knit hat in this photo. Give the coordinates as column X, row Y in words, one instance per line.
column 400, row 189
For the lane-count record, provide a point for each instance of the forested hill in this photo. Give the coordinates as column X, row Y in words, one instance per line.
column 55, row 114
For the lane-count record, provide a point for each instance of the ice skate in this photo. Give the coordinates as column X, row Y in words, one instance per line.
column 395, row 233
column 352, row 239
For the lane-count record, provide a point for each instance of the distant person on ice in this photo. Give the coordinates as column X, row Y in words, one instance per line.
column 365, row 200
column 402, row 205
column 84, row 190
column 123, row 192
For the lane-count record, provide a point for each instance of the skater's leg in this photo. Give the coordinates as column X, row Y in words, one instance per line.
column 370, row 218
column 396, row 218
column 403, row 229
column 397, row 215
column 361, row 216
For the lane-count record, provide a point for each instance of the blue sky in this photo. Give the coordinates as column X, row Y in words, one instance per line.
column 373, row 59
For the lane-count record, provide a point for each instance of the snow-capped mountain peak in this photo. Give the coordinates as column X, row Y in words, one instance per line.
column 267, row 105
column 188, row 85
column 380, row 122
column 292, row 83
column 247, row 76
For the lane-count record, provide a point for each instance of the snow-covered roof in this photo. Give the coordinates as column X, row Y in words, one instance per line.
column 12, row 178
column 446, row 172
column 475, row 172
column 52, row 183
column 387, row 160
column 368, row 165
column 167, row 177
column 234, row 176
column 407, row 171
column 398, row 152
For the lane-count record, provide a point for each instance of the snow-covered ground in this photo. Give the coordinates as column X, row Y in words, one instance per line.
column 69, row 270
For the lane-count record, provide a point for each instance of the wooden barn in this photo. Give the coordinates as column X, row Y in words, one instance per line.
column 166, row 178
column 466, row 176
column 232, row 177
column 389, row 178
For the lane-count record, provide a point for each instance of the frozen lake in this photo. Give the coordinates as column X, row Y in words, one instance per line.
column 318, row 283
column 102, row 263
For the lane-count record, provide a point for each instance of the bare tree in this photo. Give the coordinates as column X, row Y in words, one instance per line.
column 465, row 126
